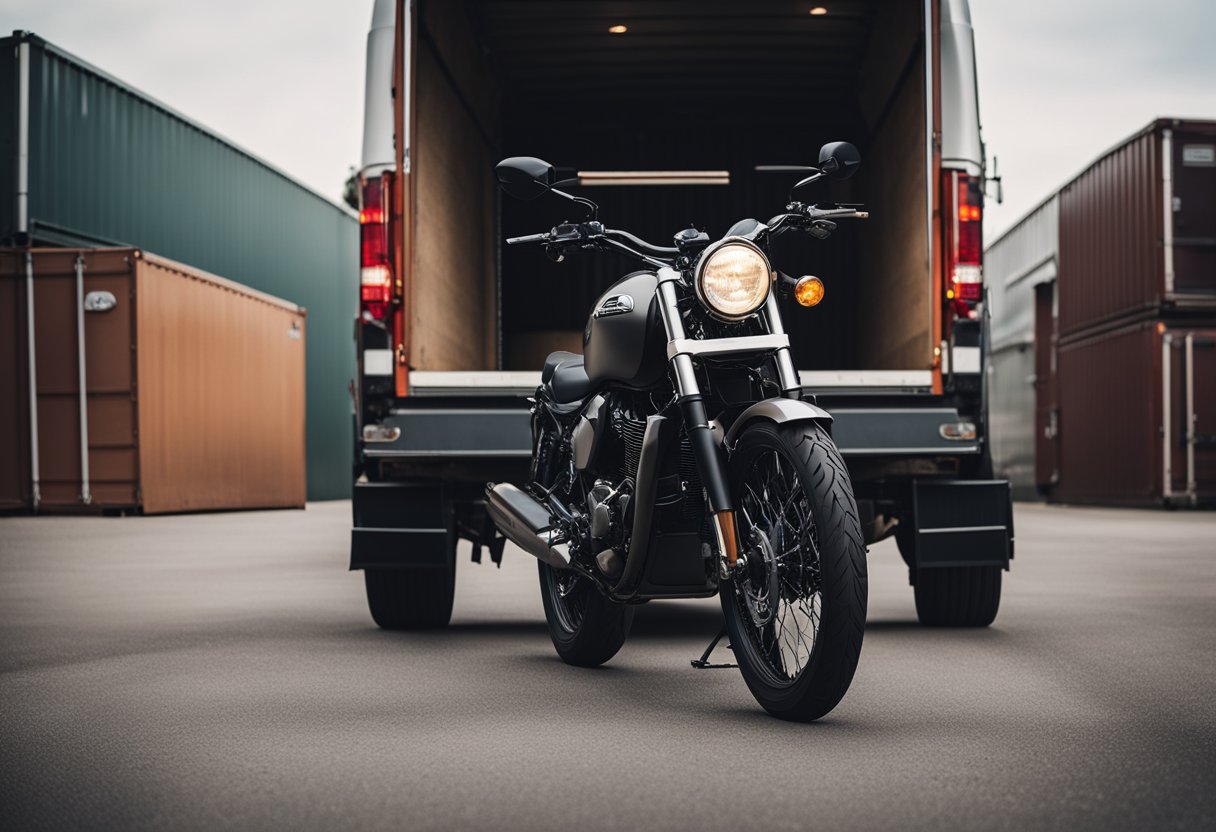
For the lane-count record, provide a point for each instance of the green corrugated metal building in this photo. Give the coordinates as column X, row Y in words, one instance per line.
column 108, row 165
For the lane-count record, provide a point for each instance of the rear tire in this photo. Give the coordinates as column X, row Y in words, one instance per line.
column 410, row 599
column 958, row 596
column 586, row 628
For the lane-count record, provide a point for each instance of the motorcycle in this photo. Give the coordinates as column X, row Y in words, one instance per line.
column 677, row 458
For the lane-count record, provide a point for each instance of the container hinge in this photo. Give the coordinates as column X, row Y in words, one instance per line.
column 35, row 484
column 83, row 393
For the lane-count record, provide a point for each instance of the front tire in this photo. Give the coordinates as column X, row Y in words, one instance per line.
column 410, row 599
column 586, row 628
column 958, row 596
column 796, row 613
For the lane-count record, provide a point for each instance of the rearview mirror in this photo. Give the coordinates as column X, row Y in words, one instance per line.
column 839, row 160
column 525, row 177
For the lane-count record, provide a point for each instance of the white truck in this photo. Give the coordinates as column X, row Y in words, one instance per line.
column 453, row 326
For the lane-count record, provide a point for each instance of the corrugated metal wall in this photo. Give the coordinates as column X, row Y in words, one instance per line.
column 109, row 165
column 1110, row 415
column 1128, row 270
column 1111, row 236
column 1020, row 260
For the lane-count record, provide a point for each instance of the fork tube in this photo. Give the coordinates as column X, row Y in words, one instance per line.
column 711, row 465
column 791, row 385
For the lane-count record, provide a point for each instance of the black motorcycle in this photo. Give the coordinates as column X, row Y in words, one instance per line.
column 676, row 458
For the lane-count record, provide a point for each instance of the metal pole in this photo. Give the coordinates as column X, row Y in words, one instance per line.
column 35, row 487
column 23, row 137
column 1191, row 490
column 1167, row 206
column 85, row 496
column 1167, row 472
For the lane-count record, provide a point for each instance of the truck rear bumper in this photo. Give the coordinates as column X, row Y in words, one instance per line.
column 438, row 432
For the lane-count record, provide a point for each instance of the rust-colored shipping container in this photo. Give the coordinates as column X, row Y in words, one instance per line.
column 1136, row 417
column 156, row 387
column 1137, row 232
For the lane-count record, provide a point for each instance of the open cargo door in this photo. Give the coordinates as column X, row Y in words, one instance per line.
column 1189, row 415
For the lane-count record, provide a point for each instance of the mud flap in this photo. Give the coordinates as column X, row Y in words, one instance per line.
column 961, row 523
column 401, row 525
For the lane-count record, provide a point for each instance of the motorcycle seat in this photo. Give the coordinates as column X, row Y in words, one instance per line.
column 566, row 376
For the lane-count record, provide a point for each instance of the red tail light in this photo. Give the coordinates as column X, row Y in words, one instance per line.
column 965, row 250
column 375, row 255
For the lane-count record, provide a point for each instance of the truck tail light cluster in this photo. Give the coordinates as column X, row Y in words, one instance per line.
column 375, row 254
column 965, row 245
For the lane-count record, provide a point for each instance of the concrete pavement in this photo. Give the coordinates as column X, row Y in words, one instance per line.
column 221, row 671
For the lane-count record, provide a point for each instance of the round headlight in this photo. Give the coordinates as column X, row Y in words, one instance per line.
column 733, row 279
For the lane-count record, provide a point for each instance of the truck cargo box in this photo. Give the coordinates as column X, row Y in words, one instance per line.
column 156, row 387
column 684, row 89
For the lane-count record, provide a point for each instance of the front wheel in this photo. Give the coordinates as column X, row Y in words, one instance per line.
column 586, row 628
column 796, row 611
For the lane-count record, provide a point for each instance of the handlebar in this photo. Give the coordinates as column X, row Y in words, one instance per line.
column 638, row 242
column 594, row 235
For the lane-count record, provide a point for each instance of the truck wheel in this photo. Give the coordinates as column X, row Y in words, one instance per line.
column 410, row 599
column 958, row 596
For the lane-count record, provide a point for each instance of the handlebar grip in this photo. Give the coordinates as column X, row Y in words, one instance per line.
column 528, row 238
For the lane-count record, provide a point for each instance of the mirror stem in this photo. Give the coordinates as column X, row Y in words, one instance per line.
column 586, row 203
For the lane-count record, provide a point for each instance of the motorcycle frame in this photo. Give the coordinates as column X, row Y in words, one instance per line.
column 708, row 447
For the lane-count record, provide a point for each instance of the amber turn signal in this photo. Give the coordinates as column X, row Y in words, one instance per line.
column 808, row 291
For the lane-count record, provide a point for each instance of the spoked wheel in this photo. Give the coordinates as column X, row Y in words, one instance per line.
column 587, row 629
column 796, row 612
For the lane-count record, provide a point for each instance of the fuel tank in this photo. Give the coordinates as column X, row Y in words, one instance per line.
column 624, row 341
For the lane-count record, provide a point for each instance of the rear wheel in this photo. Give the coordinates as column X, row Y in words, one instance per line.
column 958, row 596
column 410, row 599
column 586, row 628
column 796, row 612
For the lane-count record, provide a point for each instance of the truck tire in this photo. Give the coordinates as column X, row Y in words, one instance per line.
column 958, row 596
column 410, row 599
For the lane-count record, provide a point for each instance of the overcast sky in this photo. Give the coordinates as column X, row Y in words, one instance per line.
column 1059, row 81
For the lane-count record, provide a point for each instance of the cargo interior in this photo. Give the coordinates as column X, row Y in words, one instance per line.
column 690, row 86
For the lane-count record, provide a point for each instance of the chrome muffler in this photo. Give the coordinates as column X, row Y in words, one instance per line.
column 527, row 524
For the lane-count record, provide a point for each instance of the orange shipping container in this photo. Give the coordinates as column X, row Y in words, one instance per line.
column 194, row 386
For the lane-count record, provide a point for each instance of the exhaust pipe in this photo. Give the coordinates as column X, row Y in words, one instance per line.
column 527, row 524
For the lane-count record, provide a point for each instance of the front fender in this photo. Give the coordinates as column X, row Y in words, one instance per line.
column 779, row 412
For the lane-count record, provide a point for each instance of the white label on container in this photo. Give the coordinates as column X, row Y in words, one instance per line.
column 377, row 362
column 1199, row 155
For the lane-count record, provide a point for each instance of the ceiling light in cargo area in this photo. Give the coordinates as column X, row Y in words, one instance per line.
column 819, row 11
column 618, row 29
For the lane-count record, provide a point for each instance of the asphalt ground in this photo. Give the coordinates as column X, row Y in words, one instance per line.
column 221, row 671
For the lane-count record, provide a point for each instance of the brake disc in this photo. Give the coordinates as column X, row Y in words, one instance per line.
column 762, row 600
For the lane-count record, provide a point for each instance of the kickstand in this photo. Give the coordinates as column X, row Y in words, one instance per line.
column 704, row 663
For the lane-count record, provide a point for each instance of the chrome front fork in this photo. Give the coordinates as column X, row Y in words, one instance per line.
column 685, row 374
column 709, row 453
column 791, row 385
